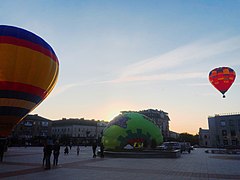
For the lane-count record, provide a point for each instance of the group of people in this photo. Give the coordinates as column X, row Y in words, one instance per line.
column 48, row 149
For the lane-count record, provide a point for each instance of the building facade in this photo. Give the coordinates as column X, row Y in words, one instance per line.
column 204, row 138
column 78, row 129
column 161, row 118
column 224, row 130
column 173, row 135
column 32, row 129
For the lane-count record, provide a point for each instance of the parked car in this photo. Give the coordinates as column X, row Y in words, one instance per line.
column 170, row 146
column 186, row 146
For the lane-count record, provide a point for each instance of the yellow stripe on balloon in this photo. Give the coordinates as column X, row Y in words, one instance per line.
column 225, row 71
column 17, row 103
column 16, row 59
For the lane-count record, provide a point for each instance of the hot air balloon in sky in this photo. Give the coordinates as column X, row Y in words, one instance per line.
column 28, row 72
column 222, row 78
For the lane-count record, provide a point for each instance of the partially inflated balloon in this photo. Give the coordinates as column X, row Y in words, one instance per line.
column 130, row 129
column 28, row 72
column 222, row 78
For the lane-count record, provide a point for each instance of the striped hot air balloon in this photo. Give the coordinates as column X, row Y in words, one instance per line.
column 28, row 72
column 222, row 78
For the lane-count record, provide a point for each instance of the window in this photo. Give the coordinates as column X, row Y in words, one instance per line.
column 233, row 133
column 234, row 142
column 224, row 132
column 223, row 123
column 231, row 122
column 225, row 142
column 45, row 124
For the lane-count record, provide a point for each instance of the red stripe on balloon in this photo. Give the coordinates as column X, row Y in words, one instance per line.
column 28, row 44
column 15, row 86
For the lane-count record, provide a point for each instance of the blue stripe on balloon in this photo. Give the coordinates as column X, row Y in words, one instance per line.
column 13, row 111
column 20, row 95
column 24, row 34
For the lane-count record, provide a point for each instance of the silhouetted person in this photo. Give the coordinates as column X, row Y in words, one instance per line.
column 56, row 151
column 66, row 150
column 101, row 150
column 44, row 154
column 48, row 156
column 2, row 149
column 78, row 150
column 94, row 147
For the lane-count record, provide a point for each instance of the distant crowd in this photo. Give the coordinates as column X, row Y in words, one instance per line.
column 49, row 148
column 53, row 149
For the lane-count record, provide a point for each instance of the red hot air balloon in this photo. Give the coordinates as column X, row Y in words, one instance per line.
column 222, row 78
column 28, row 72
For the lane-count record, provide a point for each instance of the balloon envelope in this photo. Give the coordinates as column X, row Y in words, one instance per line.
column 28, row 72
column 129, row 129
column 222, row 78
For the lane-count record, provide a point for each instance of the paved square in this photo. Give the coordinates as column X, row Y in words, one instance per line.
column 26, row 163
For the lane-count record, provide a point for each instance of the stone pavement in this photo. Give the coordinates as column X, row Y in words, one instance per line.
column 26, row 163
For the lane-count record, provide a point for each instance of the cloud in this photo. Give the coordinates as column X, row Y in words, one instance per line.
column 199, row 84
column 62, row 89
column 157, row 77
column 196, row 51
column 145, row 70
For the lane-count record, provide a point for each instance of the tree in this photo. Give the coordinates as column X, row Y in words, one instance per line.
column 185, row 137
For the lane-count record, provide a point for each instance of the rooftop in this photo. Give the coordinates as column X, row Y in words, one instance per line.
column 225, row 114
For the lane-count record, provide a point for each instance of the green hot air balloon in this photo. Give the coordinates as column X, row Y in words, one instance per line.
column 131, row 128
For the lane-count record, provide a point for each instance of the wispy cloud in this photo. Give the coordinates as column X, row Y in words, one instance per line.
column 61, row 89
column 199, row 84
column 157, row 77
column 145, row 70
column 196, row 51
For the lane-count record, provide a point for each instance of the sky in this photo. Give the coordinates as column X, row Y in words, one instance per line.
column 135, row 55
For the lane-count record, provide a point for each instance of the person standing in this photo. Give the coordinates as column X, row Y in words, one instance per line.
column 101, row 150
column 2, row 149
column 48, row 155
column 56, row 152
column 78, row 150
column 44, row 154
column 94, row 147
column 66, row 150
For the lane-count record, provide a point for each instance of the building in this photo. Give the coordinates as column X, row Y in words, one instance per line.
column 78, row 129
column 160, row 117
column 204, row 138
column 173, row 135
column 32, row 129
column 224, row 130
